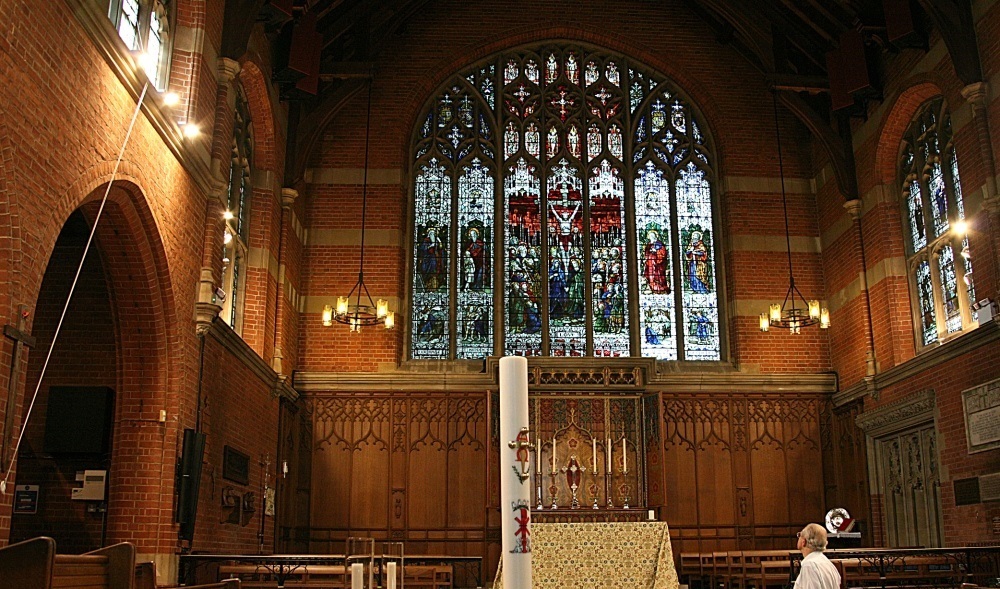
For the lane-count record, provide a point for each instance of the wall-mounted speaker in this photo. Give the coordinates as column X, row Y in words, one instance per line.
column 189, row 482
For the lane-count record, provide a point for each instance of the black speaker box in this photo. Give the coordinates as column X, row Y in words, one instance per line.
column 189, row 482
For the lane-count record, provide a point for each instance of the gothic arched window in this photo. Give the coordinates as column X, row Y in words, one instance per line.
column 562, row 206
column 236, row 239
column 939, row 262
column 144, row 26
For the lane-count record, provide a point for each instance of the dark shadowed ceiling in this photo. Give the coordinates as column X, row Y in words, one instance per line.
column 790, row 42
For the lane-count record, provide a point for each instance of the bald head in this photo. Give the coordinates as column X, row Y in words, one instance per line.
column 814, row 537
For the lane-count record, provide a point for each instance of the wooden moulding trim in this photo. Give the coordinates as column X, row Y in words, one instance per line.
column 96, row 25
column 899, row 415
column 927, row 360
column 733, row 382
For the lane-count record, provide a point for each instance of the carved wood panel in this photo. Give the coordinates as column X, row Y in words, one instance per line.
column 739, row 471
column 404, row 467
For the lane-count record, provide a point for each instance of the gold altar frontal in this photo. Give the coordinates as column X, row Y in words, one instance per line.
column 601, row 555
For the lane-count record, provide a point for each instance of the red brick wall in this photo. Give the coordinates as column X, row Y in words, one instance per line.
column 155, row 236
column 442, row 40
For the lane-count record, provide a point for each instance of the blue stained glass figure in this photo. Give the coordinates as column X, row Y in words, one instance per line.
column 925, row 291
column 939, row 199
column 475, row 292
column 956, row 183
column 700, row 304
column 523, row 327
column 564, row 219
column 915, row 210
column 949, row 287
column 432, row 218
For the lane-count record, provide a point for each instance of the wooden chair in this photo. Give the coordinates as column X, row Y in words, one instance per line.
column 720, row 568
column 690, row 569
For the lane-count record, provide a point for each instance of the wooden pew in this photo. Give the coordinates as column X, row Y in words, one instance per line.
column 145, row 578
column 427, row 576
column 34, row 564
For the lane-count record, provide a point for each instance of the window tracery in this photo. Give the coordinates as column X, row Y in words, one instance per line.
column 603, row 180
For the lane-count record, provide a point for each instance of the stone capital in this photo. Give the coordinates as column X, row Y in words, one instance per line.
column 227, row 70
column 992, row 206
column 288, row 196
column 853, row 207
column 977, row 94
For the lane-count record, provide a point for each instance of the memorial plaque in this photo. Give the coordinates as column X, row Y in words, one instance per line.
column 235, row 466
column 982, row 416
column 967, row 491
column 989, row 487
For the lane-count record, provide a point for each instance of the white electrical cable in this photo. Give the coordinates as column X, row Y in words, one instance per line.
column 79, row 268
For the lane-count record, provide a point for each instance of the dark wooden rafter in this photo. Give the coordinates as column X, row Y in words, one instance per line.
column 953, row 19
column 838, row 148
column 238, row 22
column 312, row 125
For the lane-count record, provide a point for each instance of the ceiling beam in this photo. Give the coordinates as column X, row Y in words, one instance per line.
column 953, row 19
column 345, row 70
column 839, row 150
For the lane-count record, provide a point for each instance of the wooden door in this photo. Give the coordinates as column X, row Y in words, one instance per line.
column 908, row 477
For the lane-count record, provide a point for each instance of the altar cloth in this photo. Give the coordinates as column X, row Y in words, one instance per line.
column 603, row 555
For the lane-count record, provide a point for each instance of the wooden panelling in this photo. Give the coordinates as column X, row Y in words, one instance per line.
column 738, row 471
column 406, row 467
column 845, row 465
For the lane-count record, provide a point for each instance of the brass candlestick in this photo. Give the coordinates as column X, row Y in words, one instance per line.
column 573, row 473
column 553, row 489
column 593, row 486
column 608, row 489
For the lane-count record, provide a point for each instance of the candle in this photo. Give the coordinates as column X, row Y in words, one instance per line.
column 357, row 576
column 624, row 456
column 390, row 571
column 538, row 457
column 611, row 468
column 594, row 459
column 553, row 453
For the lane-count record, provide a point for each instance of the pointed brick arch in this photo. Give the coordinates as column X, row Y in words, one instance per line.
column 148, row 358
column 895, row 124
column 261, row 111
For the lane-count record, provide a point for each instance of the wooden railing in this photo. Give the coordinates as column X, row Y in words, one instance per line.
column 868, row 568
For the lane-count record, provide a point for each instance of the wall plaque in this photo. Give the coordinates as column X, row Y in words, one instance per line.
column 235, row 466
column 989, row 487
column 967, row 491
column 982, row 416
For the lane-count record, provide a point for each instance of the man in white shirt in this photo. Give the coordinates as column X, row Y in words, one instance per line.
column 817, row 570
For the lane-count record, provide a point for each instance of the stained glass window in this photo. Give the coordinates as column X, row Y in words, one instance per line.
column 144, row 25
column 931, row 186
column 588, row 145
column 237, row 231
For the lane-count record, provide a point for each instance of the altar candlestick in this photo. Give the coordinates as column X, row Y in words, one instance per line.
column 594, row 459
column 624, row 457
column 610, row 453
column 553, row 453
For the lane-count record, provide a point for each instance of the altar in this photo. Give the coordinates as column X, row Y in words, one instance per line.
column 601, row 555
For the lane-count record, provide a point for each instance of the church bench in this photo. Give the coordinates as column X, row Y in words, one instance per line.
column 34, row 564
column 145, row 578
column 690, row 569
column 427, row 576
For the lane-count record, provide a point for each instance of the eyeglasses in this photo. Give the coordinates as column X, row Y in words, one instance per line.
column 798, row 534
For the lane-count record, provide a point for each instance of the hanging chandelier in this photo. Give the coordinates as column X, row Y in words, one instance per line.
column 795, row 312
column 358, row 309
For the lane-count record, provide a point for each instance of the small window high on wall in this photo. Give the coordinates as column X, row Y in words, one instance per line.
column 939, row 262
column 144, row 26
column 237, row 232
column 563, row 205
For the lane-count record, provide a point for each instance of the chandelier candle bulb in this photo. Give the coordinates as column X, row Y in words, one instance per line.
column 814, row 309
column 381, row 308
column 775, row 313
column 824, row 319
column 764, row 323
column 327, row 316
column 341, row 305
column 390, row 319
